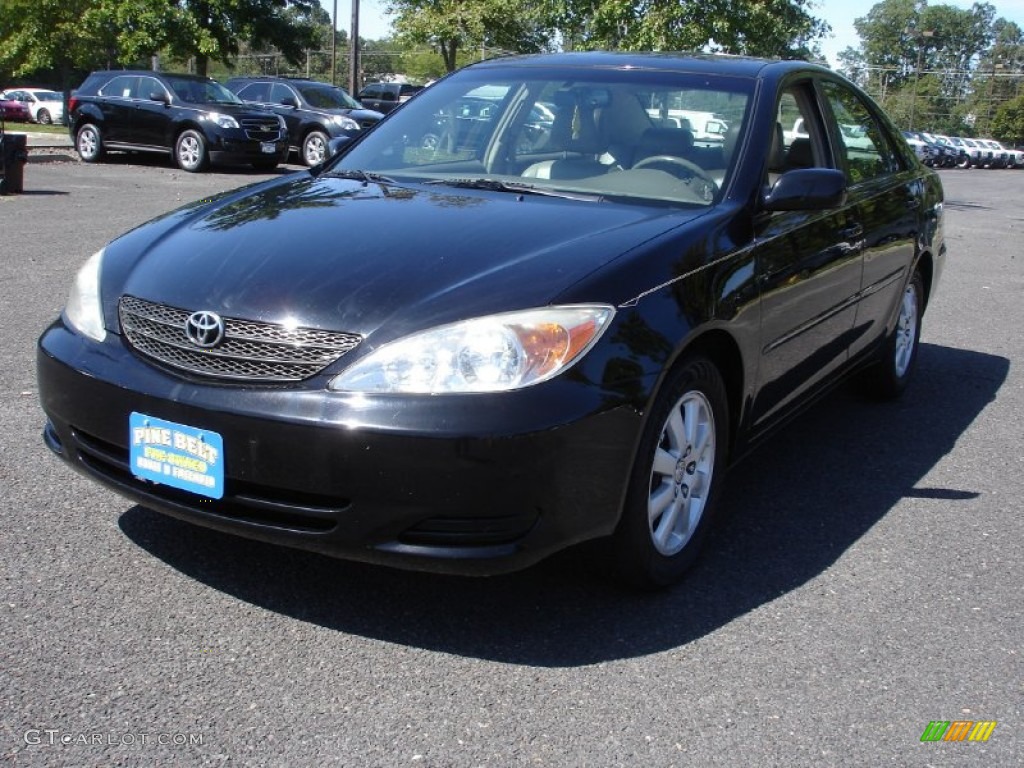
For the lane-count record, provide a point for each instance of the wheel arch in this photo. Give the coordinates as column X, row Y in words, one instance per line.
column 719, row 347
column 179, row 128
column 927, row 267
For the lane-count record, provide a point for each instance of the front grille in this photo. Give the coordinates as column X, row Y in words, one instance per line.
column 261, row 129
column 250, row 350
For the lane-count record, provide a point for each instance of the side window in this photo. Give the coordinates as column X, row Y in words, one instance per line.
column 255, row 92
column 279, row 92
column 388, row 96
column 119, row 88
column 868, row 152
column 147, row 88
column 370, row 92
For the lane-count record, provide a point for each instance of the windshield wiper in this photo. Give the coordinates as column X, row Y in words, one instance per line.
column 363, row 176
column 496, row 185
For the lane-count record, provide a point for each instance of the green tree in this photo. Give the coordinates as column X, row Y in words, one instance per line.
column 753, row 27
column 455, row 25
column 83, row 33
column 1008, row 123
column 59, row 35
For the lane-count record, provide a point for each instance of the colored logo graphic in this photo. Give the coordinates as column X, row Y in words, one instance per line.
column 958, row 730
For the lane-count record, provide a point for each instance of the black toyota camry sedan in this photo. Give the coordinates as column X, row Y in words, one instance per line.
column 466, row 356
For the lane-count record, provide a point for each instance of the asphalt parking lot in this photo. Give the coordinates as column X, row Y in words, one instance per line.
column 865, row 581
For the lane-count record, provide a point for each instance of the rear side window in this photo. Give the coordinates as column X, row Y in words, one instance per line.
column 868, row 152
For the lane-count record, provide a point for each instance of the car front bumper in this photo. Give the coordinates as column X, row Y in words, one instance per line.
column 476, row 484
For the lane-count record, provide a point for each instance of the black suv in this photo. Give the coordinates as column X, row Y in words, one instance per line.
column 315, row 112
column 385, row 97
column 195, row 119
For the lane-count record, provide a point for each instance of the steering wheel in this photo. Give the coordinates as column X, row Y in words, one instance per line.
column 691, row 169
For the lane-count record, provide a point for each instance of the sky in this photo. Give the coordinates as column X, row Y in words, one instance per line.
column 374, row 24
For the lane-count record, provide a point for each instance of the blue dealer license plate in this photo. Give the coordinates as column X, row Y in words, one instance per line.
column 177, row 455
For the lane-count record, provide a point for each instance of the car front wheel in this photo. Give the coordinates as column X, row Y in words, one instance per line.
column 89, row 143
column 190, row 151
column 314, row 148
column 674, row 483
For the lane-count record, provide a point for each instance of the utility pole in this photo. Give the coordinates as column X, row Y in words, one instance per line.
column 353, row 51
column 334, row 44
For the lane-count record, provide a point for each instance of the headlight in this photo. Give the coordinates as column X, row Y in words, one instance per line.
column 224, row 121
column 345, row 123
column 84, row 310
column 497, row 353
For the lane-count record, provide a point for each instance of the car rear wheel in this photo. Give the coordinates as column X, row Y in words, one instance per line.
column 43, row 116
column 190, row 151
column 889, row 377
column 89, row 143
column 675, row 479
column 314, row 148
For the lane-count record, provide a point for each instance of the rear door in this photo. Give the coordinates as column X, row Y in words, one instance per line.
column 115, row 102
column 885, row 190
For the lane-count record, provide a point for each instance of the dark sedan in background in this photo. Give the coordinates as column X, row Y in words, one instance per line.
column 490, row 348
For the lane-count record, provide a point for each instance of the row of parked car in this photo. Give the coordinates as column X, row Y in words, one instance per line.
column 940, row 151
column 38, row 105
column 198, row 121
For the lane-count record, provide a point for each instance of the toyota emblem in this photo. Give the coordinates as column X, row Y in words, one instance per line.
column 204, row 329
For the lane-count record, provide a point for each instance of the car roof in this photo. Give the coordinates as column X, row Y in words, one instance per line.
column 151, row 73
column 721, row 64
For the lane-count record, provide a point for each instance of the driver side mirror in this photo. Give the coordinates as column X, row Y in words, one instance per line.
column 290, row 101
column 807, row 189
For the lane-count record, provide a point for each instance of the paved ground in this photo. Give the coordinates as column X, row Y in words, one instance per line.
column 866, row 579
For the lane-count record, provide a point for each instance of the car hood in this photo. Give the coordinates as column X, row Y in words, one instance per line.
column 339, row 254
column 359, row 115
column 235, row 110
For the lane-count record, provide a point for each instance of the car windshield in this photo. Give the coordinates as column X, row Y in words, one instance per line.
column 202, row 91
column 47, row 95
column 327, row 97
column 603, row 134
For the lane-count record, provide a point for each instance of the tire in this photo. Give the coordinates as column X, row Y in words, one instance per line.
column 673, row 487
column 190, row 151
column 315, row 148
column 89, row 143
column 43, row 117
column 897, row 359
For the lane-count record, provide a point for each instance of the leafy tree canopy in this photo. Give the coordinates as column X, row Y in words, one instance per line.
column 56, row 34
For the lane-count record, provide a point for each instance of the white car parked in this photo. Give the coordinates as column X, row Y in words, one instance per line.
column 45, row 106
